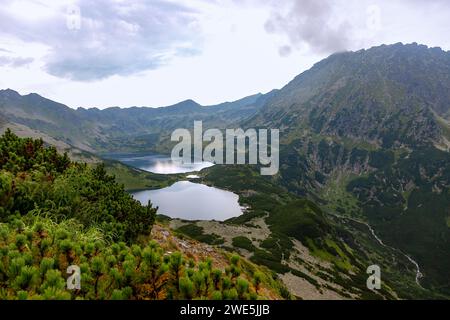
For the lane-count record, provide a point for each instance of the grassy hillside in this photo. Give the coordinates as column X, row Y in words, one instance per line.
column 408, row 204
column 136, row 179
column 35, row 253
column 297, row 239
column 55, row 213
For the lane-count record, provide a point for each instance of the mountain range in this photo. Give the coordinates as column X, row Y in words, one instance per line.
column 365, row 136
column 118, row 129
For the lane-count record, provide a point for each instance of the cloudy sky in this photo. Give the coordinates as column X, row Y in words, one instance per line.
column 105, row 53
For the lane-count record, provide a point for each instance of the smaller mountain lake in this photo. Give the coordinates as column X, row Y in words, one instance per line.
column 192, row 201
column 157, row 163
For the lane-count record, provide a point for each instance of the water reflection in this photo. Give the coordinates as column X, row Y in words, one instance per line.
column 192, row 201
column 158, row 163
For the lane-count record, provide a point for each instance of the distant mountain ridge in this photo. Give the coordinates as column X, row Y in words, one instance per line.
column 115, row 129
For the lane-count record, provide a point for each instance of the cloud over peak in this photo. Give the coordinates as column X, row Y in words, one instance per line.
column 309, row 23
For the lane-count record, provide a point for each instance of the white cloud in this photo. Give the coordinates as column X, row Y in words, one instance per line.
column 106, row 38
column 157, row 53
column 15, row 61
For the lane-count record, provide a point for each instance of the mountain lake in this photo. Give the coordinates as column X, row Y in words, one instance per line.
column 183, row 199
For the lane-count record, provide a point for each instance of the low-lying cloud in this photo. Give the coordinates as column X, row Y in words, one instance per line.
column 309, row 23
column 329, row 26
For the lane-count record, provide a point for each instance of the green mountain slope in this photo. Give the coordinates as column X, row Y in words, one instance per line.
column 385, row 96
column 301, row 241
column 364, row 133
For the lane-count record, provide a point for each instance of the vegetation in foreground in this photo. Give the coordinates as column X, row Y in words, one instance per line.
column 35, row 253
column 55, row 213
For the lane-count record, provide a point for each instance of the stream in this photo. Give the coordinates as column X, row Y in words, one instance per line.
column 416, row 265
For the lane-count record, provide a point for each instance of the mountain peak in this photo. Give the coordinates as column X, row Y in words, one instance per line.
column 34, row 95
column 9, row 92
column 189, row 103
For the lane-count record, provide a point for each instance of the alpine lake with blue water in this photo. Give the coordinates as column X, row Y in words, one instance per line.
column 183, row 199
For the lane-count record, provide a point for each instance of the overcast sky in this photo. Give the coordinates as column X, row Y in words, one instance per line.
column 153, row 53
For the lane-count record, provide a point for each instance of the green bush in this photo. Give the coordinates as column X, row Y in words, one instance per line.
column 244, row 243
column 196, row 232
column 35, row 178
